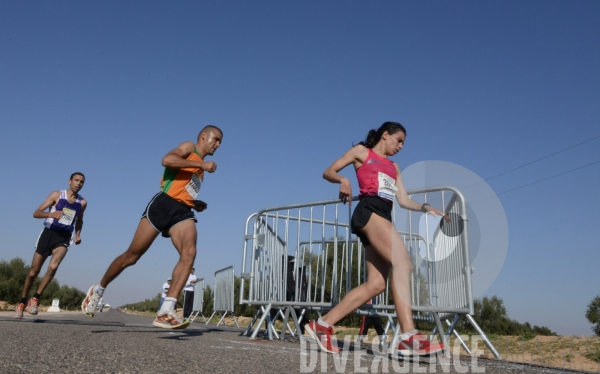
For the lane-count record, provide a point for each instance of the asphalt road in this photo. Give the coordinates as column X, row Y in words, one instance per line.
column 115, row 342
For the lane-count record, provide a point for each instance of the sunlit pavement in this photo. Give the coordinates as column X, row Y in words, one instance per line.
column 112, row 341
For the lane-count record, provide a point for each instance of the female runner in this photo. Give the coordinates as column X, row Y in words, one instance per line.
column 379, row 181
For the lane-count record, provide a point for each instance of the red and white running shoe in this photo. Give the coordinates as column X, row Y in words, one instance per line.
column 323, row 335
column 19, row 311
column 418, row 345
column 32, row 306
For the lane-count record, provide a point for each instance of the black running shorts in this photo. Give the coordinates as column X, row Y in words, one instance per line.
column 50, row 239
column 367, row 206
column 164, row 212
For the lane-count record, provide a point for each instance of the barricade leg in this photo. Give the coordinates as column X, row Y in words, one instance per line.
column 262, row 319
column 301, row 316
column 444, row 341
column 290, row 310
column 393, row 349
column 249, row 328
column 271, row 328
column 483, row 336
column 296, row 324
column 284, row 319
column 457, row 335
column 211, row 316
column 222, row 317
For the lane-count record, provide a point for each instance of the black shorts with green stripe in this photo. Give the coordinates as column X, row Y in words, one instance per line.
column 164, row 212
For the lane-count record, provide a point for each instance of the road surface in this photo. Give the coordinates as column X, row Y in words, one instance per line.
column 116, row 342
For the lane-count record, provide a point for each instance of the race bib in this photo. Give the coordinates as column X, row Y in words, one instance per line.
column 68, row 215
column 387, row 187
column 193, row 187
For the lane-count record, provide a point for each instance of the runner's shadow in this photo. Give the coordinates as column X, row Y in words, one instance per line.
column 65, row 322
column 181, row 335
column 172, row 335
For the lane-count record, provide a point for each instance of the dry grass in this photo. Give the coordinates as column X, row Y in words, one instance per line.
column 569, row 352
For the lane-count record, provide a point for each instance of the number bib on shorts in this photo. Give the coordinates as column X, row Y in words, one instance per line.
column 193, row 187
column 387, row 188
column 68, row 215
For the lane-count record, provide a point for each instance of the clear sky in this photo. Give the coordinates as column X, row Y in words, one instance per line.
column 108, row 88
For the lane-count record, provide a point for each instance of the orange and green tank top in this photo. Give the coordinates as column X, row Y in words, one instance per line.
column 183, row 184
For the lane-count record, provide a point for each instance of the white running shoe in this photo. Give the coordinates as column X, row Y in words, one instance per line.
column 90, row 304
column 19, row 311
column 32, row 306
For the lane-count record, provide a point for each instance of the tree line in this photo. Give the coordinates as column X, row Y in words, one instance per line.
column 12, row 278
column 490, row 314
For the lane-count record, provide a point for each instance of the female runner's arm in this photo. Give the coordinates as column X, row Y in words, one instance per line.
column 406, row 203
column 356, row 155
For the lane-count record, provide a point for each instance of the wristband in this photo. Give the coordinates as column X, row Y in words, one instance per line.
column 423, row 208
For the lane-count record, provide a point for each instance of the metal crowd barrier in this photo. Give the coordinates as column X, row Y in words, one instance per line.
column 198, row 300
column 224, row 294
column 328, row 261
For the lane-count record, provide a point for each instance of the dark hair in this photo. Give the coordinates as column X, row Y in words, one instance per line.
column 76, row 173
column 374, row 136
column 210, row 128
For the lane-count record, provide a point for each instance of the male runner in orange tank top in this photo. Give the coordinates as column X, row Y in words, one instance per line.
column 169, row 212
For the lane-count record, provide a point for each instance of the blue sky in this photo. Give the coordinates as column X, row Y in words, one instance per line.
column 108, row 88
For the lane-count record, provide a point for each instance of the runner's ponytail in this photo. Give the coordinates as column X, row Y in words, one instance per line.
column 374, row 135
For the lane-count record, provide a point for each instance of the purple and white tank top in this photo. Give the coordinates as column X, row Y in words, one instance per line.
column 70, row 211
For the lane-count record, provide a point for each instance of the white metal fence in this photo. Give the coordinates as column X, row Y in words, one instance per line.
column 303, row 257
column 198, row 299
column 224, row 294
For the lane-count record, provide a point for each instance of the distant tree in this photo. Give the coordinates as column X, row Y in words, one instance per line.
column 12, row 277
column 242, row 310
column 148, row 305
column 593, row 314
column 50, row 292
column 70, row 297
column 491, row 316
column 208, row 302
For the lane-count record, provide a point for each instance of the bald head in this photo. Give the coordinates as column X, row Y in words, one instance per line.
column 210, row 129
column 209, row 140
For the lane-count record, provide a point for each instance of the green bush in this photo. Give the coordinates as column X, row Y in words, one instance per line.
column 12, row 279
column 70, row 297
column 148, row 305
column 593, row 314
column 491, row 315
column 207, row 302
column 594, row 356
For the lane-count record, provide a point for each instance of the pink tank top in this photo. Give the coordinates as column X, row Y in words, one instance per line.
column 377, row 177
